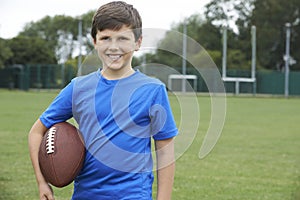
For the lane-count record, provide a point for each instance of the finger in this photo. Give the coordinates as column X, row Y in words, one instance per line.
column 50, row 197
column 43, row 197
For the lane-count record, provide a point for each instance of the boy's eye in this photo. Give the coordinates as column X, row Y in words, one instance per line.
column 104, row 38
column 123, row 38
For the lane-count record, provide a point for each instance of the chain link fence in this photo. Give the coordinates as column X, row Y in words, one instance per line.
column 25, row 77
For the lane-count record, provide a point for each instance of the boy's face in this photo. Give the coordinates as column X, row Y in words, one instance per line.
column 116, row 48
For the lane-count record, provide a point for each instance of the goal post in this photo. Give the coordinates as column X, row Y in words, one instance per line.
column 184, row 78
column 238, row 80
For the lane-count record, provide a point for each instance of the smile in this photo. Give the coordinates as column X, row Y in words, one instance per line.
column 114, row 57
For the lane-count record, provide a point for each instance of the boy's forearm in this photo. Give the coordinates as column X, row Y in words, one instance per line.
column 165, row 179
column 165, row 168
column 34, row 140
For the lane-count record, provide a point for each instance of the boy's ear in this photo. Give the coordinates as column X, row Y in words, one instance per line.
column 138, row 43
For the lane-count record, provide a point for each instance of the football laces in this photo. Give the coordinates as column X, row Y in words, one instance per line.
column 50, row 140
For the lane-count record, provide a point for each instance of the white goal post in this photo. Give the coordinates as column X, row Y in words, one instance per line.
column 183, row 78
column 237, row 80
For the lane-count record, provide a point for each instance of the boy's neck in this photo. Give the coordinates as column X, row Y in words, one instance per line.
column 110, row 74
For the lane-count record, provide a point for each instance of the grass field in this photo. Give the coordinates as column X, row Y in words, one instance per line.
column 256, row 157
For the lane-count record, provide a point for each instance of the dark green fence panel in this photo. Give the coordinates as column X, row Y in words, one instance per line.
column 40, row 76
column 294, row 86
column 45, row 76
column 270, row 82
column 6, row 78
column 50, row 76
column 14, row 77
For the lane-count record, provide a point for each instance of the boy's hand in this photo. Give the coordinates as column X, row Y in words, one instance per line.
column 46, row 192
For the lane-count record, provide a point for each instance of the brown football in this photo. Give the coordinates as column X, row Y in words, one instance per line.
column 61, row 154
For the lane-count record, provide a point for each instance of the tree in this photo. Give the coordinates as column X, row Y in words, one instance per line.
column 30, row 50
column 61, row 34
column 5, row 52
column 202, row 35
column 270, row 17
column 57, row 32
column 234, row 15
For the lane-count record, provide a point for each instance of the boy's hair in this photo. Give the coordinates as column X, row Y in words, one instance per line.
column 114, row 15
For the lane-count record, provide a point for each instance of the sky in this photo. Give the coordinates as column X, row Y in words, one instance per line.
column 14, row 14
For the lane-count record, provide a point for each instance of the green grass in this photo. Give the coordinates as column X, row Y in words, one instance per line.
column 256, row 157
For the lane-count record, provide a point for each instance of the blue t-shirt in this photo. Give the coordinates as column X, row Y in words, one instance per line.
column 117, row 119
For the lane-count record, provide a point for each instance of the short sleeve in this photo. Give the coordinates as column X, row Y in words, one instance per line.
column 162, row 121
column 60, row 109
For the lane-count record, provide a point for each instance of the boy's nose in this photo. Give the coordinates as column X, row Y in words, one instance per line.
column 113, row 45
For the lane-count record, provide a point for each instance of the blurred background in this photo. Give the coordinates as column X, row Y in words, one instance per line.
column 45, row 52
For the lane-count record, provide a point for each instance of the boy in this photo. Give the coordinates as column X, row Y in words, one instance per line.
column 118, row 110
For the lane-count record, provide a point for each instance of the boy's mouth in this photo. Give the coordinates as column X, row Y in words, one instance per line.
column 114, row 57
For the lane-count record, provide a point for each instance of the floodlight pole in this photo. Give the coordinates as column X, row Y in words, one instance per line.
column 224, row 59
column 287, row 59
column 253, row 63
column 80, row 44
column 183, row 85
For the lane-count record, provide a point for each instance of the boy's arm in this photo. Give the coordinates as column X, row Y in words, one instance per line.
column 34, row 140
column 165, row 168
